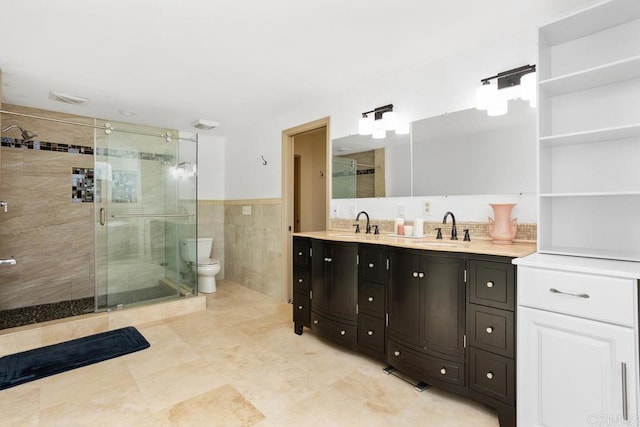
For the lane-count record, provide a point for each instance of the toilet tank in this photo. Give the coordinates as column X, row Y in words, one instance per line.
column 188, row 248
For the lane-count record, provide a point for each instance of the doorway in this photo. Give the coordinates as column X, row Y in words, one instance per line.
column 305, row 187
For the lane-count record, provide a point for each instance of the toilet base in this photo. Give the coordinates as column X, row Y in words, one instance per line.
column 207, row 284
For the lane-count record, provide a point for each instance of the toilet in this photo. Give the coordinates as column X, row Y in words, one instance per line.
column 206, row 268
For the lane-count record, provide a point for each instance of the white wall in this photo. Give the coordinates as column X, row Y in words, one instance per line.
column 211, row 167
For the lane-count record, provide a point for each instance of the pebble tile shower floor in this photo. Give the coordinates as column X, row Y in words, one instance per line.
column 45, row 312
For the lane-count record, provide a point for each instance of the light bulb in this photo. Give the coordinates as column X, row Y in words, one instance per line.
column 378, row 130
column 365, row 126
column 528, row 84
column 498, row 107
column 484, row 96
column 389, row 120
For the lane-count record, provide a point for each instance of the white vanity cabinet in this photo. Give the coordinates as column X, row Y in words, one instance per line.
column 577, row 342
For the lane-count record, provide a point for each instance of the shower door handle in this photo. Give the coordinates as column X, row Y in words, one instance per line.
column 103, row 217
column 10, row 261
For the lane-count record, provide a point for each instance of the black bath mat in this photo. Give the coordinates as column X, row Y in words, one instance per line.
column 42, row 362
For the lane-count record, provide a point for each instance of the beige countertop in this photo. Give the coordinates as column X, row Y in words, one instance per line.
column 475, row 246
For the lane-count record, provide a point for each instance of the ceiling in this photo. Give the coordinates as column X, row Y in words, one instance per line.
column 172, row 61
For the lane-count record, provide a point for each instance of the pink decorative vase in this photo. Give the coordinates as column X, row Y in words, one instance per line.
column 503, row 229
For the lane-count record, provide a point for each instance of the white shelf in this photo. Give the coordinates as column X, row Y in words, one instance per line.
column 592, row 194
column 595, row 18
column 606, row 74
column 596, row 135
column 592, row 253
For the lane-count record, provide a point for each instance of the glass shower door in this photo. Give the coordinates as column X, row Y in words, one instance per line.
column 142, row 213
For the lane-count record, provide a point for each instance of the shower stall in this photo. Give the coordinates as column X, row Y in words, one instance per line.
column 95, row 214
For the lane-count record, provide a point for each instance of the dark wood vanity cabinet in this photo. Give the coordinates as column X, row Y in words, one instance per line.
column 444, row 318
column 334, row 290
column 301, row 283
column 426, row 309
column 372, row 280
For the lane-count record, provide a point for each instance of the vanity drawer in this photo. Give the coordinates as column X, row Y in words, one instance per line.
column 422, row 365
column 371, row 333
column 373, row 263
column 371, row 298
column 491, row 329
column 301, row 280
column 341, row 333
column 604, row 298
column 301, row 252
column 492, row 375
column 301, row 309
column 492, row 284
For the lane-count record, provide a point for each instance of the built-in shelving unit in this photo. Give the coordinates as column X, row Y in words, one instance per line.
column 589, row 127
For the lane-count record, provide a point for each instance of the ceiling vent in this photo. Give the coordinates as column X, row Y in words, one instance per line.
column 66, row 98
column 204, row 124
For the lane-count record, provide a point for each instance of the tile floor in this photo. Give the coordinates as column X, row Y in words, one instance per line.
column 236, row 364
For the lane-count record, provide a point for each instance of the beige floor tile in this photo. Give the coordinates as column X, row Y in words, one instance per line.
column 223, row 406
column 20, row 405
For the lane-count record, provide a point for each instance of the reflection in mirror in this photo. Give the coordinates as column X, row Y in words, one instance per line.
column 367, row 167
column 468, row 152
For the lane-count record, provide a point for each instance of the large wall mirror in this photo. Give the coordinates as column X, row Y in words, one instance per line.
column 461, row 153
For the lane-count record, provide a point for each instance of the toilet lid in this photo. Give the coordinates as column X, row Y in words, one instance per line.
column 208, row 261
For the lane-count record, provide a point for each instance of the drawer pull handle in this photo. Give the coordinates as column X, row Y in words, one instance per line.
column 396, row 353
column 300, row 307
column 421, row 275
column 625, row 407
column 370, row 333
column 415, row 274
column 490, row 284
column 370, row 299
column 443, row 371
column 489, row 330
column 315, row 322
column 343, row 332
column 490, row 375
column 555, row 291
column 370, row 265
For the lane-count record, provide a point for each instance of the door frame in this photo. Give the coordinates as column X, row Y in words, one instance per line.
column 288, row 194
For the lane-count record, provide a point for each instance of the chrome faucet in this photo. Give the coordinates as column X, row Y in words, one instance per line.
column 368, row 226
column 454, row 230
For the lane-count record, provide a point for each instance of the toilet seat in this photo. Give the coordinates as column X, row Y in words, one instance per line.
column 204, row 262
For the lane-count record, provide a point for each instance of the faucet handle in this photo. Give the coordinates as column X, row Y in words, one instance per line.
column 375, row 229
column 467, row 238
column 439, row 230
column 357, row 226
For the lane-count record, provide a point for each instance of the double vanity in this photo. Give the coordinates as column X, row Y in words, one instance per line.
column 438, row 312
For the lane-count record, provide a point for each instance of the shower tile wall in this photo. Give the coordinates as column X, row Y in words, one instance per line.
column 253, row 245
column 50, row 237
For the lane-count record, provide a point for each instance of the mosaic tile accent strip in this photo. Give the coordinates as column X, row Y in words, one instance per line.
column 82, row 185
column 132, row 154
column 45, row 146
column 477, row 230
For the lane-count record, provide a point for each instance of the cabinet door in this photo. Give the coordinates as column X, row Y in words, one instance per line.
column 572, row 371
column 442, row 302
column 403, row 298
column 319, row 266
column 343, row 280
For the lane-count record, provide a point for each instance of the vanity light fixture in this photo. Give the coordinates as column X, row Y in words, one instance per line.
column 511, row 84
column 384, row 119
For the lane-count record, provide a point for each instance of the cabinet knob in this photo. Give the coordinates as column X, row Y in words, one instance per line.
column 300, row 280
column 370, row 265
column 415, row 274
column 370, row 299
column 315, row 322
column 421, row 275
column 369, row 333
column 300, row 307
column 489, row 330
column 443, row 371
column 299, row 253
column 490, row 375
column 490, row 284
column 327, row 259
column 343, row 332
column 396, row 353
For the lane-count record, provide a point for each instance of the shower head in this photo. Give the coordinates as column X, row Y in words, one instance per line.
column 26, row 135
